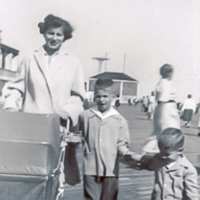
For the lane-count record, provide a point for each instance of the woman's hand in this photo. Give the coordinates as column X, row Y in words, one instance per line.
column 74, row 139
column 63, row 114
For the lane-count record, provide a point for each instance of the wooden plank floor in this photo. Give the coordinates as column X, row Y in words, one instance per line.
column 137, row 185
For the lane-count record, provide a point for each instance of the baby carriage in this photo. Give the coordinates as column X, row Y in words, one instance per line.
column 30, row 156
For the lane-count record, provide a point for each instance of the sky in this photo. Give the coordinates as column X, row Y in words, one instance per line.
column 138, row 36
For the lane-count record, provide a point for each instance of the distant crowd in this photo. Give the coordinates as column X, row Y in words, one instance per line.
column 186, row 109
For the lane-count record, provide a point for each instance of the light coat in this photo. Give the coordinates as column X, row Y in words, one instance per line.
column 42, row 92
column 177, row 182
column 105, row 140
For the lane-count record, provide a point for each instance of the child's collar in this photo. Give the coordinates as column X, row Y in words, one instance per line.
column 168, row 166
column 176, row 164
column 107, row 114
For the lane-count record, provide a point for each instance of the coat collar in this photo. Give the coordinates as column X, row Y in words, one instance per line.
column 62, row 55
column 182, row 161
column 112, row 112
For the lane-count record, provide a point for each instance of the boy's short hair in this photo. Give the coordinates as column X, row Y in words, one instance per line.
column 171, row 139
column 189, row 96
column 165, row 70
column 103, row 83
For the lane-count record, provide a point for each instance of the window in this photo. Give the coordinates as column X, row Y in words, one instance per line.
column 91, row 85
column 129, row 88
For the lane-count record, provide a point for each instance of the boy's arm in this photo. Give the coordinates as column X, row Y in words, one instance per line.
column 191, row 185
column 124, row 139
column 148, row 162
column 130, row 158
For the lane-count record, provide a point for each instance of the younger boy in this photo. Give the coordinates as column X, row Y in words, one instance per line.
column 175, row 176
column 106, row 137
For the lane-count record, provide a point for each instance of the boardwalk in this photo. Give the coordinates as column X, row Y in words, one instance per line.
column 137, row 185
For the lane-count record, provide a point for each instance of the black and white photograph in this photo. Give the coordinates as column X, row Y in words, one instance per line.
column 99, row 100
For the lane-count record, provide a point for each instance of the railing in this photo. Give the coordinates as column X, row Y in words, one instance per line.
column 9, row 61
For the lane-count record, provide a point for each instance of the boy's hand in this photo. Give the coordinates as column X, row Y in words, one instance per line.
column 133, row 159
column 132, row 156
column 136, row 157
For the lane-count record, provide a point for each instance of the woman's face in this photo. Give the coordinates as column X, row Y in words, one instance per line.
column 54, row 38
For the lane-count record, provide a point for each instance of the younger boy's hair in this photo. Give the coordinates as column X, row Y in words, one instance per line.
column 171, row 139
column 165, row 70
column 103, row 83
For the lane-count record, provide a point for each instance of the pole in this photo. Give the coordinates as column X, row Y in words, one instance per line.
column 1, row 56
column 100, row 62
column 106, row 62
column 124, row 63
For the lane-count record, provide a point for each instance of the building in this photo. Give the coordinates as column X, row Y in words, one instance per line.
column 8, row 55
column 125, row 86
column 8, row 64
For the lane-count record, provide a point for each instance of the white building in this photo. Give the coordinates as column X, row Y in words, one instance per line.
column 125, row 86
column 8, row 65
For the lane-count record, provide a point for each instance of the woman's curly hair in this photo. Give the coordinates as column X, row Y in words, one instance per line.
column 55, row 22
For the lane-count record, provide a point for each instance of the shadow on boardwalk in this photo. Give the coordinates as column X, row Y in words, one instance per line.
column 135, row 184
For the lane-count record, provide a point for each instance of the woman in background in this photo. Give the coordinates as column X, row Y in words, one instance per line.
column 166, row 113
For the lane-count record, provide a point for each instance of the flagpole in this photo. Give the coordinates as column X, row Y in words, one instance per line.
column 124, row 63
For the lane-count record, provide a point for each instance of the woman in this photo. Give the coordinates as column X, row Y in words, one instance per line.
column 50, row 79
column 166, row 114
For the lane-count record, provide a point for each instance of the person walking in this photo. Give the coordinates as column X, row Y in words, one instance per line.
column 188, row 109
column 151, row 106
column 166, row 113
